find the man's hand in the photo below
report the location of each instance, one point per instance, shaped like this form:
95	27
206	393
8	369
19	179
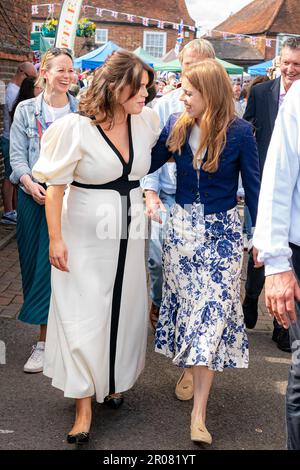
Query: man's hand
153	205
281	290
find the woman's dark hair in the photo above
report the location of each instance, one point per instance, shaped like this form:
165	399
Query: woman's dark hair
25	93
121	68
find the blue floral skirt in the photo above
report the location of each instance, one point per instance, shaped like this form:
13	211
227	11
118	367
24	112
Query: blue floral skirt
201	318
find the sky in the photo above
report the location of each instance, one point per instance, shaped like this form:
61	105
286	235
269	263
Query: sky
209	13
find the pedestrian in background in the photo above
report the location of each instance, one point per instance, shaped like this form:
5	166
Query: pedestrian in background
26	69
31	119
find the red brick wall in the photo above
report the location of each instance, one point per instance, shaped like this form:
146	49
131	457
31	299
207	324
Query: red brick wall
15	21
127	36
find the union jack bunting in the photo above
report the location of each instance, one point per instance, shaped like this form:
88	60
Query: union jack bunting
145	21
180	37
51	8
160	24
99	11
35	9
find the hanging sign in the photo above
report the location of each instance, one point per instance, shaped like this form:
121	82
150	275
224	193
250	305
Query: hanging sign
67	25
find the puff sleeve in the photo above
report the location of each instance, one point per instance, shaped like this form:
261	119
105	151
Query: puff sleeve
60	152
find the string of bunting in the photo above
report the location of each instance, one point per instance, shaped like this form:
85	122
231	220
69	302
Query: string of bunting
35	9
159	23
227	36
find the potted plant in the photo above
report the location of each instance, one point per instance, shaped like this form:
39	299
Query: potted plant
49	28
85	28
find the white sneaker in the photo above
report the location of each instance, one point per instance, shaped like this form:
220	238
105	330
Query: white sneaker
36	361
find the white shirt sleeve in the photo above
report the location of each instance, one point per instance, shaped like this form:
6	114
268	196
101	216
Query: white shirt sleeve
60	152
280	176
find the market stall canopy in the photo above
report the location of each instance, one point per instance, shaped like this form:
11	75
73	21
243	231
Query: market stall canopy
260	69
40	43
146	57
170	55
97	57
175	66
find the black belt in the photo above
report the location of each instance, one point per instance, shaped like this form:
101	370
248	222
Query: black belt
122	186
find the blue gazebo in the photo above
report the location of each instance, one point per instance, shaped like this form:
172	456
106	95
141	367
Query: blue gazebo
260	69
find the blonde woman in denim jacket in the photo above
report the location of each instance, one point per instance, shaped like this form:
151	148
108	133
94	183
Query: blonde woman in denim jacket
32	117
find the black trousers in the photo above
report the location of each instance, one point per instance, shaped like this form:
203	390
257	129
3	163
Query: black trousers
255	283
293	388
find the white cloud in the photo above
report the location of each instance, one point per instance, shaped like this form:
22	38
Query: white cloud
209	13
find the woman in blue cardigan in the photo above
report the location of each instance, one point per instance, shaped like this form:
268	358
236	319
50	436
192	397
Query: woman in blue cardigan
201	323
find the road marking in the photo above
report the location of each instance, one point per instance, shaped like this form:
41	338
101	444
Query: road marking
5	431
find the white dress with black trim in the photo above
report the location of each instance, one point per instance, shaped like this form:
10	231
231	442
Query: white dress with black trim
96	337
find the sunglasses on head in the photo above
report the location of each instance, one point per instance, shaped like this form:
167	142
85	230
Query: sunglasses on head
61	50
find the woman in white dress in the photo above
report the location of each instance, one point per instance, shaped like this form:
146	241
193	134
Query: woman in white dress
96	338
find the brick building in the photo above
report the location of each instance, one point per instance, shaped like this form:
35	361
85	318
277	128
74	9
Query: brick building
126	34
266	19
15	22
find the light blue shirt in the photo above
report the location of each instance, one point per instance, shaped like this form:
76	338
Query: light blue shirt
164	179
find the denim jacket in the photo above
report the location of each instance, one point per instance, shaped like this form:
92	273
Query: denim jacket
24	135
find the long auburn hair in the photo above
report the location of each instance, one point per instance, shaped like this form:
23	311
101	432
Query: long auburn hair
120	69
213	83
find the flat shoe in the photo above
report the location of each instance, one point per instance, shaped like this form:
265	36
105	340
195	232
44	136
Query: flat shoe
184	389
114	402
199	433
79	438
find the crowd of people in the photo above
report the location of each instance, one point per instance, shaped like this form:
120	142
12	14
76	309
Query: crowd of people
82	159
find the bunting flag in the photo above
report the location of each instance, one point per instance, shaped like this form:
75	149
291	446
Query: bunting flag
175	25
114	14
99	11
239	37
130	18
34	9
268	43
225	35
253	41
145	21
160	24
51	8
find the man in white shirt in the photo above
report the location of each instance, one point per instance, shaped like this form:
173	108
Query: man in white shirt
262	108
277	238
26	69
160	189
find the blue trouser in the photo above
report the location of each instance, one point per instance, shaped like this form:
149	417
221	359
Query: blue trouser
247	223
255	283
155	249
293	388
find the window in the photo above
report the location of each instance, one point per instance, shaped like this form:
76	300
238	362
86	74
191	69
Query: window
155	43
36	27
101	36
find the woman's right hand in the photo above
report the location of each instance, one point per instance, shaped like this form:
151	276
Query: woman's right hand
58	254
37	192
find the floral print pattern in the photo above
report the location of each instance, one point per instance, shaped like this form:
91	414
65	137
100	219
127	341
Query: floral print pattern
201	319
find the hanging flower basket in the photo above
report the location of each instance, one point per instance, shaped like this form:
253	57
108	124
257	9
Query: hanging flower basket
49	28
85	28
